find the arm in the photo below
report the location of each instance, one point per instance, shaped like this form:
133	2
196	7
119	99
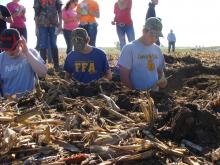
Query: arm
125	77
127	5
108	75
162	82
5	15
95	10
67	19
95	13
8	19
67	76
39	67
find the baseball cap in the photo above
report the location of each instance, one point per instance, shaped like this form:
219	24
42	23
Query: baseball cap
154	26
9	39
79	38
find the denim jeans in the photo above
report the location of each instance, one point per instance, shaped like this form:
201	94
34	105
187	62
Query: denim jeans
91	29
68	38
44	34
171	44
123	30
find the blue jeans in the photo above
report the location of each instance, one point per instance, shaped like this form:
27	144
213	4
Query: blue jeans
44	34
123	30
68	38
91	29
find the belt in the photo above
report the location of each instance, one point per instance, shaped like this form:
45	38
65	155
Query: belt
121	24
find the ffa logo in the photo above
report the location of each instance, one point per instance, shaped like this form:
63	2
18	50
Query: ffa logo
150	62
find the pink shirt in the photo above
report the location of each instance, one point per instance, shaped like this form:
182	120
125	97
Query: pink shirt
19	18
67	14
124	15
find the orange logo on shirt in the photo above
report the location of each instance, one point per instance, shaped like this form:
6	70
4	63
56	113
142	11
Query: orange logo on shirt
85	67
150	63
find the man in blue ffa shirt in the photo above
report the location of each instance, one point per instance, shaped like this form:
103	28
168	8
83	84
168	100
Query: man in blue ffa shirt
86	63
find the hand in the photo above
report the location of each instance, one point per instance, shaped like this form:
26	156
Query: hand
36	31
113	22
162	83
23	44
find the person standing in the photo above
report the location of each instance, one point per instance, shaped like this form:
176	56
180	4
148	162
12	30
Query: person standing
5	16
142	62
88	11
85	63
151	9
171	37
123	21
152	13
48	18
71	21
18	13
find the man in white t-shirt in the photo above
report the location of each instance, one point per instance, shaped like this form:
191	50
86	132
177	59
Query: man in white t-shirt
142	62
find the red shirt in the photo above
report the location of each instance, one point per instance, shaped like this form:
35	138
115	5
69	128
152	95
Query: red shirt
123	15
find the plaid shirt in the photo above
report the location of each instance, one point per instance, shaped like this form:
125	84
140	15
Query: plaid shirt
47	12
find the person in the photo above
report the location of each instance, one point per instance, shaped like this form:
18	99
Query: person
151	9
71	21
123	21
88	11
152	13
19	65
171	37
48	18
18	14
86	63
5	16
141	62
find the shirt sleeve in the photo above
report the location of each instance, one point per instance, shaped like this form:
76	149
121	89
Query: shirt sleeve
105	64
125	59
6	12
94	6
37	55
67	66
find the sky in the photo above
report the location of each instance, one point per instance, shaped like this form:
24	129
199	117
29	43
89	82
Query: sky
194	22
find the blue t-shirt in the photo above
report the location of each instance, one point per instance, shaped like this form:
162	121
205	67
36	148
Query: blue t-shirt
17	75
87	67
143	63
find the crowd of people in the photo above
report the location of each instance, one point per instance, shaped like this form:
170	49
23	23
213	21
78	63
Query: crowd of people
141	63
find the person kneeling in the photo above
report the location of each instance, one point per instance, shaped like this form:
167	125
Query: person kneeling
19	66
85	63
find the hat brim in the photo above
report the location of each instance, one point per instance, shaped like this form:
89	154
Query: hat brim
156	33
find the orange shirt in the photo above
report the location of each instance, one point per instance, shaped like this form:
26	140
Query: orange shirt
84	7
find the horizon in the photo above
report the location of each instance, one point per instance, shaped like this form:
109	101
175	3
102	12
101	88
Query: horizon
192	26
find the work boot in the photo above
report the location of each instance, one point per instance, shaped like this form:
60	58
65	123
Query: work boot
55	58
43	54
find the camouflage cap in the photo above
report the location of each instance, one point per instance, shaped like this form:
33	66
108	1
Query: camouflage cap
79	38
154	26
